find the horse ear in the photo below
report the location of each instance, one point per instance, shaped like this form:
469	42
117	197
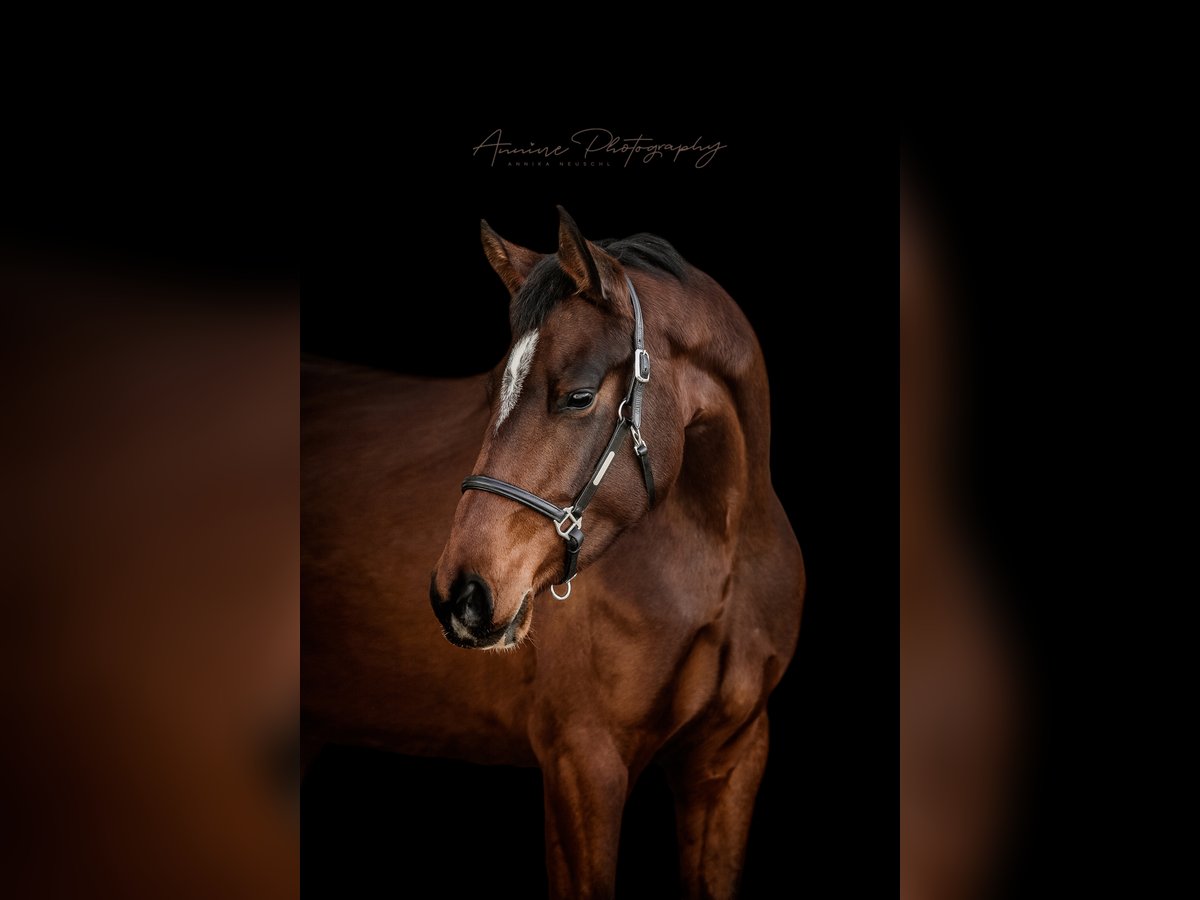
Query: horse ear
593	271
512	262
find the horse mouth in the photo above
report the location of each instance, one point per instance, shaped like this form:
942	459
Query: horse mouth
505	637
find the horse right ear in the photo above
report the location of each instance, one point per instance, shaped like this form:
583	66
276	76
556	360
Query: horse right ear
512	262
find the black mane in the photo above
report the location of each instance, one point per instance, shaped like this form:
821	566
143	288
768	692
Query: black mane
646	251
547	284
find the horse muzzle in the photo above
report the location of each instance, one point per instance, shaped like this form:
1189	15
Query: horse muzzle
467	615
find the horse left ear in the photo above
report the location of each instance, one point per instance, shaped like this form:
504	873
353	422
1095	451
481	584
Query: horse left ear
594	272
512	262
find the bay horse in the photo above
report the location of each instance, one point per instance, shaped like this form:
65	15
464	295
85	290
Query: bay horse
685	609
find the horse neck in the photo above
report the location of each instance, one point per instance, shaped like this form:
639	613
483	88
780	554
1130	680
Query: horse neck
725	472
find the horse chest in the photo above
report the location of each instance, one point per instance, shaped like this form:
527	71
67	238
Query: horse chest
644	668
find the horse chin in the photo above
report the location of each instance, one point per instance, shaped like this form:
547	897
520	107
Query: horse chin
503	639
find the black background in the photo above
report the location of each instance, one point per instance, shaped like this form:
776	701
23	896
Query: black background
803	238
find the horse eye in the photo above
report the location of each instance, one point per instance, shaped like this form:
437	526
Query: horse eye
579	400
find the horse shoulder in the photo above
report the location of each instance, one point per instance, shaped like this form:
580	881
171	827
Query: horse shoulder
737	658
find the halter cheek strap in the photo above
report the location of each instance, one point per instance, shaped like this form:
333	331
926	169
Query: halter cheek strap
568	522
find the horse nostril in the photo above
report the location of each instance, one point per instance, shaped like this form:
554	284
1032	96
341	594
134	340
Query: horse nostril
473	604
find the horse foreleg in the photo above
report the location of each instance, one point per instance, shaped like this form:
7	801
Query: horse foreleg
714	800
586	783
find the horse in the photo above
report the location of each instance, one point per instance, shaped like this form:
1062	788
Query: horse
634	379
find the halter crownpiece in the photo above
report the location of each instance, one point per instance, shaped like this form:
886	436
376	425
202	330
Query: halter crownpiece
568	522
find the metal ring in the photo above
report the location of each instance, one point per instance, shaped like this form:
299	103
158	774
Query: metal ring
621	407
567	594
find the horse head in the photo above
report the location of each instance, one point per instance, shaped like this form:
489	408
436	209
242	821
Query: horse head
572	405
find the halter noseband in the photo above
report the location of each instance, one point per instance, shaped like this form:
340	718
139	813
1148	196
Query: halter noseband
568	522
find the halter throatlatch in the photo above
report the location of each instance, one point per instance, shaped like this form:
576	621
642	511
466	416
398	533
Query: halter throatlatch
568	522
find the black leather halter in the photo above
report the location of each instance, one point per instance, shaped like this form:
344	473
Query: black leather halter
568	522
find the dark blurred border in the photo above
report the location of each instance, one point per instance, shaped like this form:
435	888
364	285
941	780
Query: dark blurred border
149	297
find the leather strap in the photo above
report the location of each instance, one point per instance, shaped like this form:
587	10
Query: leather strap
601	467
512	492
647	473
641	360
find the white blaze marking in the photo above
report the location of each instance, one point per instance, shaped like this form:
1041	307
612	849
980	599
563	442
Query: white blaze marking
514	374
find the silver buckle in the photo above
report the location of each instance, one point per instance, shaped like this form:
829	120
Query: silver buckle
639	446
568	516
568	593
638	356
